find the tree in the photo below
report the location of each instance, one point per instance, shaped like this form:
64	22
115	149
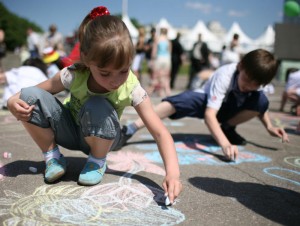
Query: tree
15	28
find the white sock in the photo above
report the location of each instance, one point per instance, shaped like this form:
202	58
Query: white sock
99	161
131	129
54	153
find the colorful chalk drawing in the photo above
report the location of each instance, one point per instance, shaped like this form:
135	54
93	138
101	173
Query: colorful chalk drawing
196	153
275	172
294	161
120	203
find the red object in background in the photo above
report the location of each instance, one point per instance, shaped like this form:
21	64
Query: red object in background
73	57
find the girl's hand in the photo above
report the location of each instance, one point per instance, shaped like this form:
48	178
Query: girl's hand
279	132
20	109
172	187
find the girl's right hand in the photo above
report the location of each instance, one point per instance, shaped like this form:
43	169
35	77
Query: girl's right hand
20	109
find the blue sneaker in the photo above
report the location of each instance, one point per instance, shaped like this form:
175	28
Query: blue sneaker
55	169
91	174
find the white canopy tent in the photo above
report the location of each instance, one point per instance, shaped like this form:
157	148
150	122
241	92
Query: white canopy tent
207	36
266	40
246	43
132	29
163	23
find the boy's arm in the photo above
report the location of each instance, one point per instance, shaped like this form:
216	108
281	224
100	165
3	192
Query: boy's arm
165	143
230	151
273	131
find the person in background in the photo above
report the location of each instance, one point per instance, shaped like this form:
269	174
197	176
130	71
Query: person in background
199	59
148	51
2	47
233	53
101	86
176	59
33	42
53	38
32	72
53	61
292	91
232	96
139	53
161	55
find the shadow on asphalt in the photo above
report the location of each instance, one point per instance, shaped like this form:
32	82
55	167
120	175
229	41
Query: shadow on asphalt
271	202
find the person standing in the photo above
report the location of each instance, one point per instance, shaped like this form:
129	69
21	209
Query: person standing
161	55
176	59
2	47
54	39
148	51
139	53
199	59
33	40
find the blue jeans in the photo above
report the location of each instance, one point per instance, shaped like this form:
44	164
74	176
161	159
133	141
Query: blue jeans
97	118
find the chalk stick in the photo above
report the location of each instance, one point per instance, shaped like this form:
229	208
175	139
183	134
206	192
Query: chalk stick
167	201
32	169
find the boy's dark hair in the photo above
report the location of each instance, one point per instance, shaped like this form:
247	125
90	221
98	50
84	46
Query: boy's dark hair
36	62
260	65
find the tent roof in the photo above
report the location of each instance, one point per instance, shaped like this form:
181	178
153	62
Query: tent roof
163	23
235	28
267	38
132	29
207	36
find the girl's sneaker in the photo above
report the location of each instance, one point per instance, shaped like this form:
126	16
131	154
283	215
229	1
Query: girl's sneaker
55	169
91	174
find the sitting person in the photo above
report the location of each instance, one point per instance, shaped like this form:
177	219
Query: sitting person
32	72
292	91
231	96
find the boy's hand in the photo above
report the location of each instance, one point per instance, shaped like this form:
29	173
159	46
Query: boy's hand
172	187
279	132
230	152
20	109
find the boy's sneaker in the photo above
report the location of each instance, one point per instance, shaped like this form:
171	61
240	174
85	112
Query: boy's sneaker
55	169
123	139
233	136
91	174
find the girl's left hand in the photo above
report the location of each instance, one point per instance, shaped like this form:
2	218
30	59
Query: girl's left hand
172	187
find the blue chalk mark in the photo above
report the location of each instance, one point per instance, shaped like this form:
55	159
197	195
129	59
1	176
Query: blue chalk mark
189	154
267	171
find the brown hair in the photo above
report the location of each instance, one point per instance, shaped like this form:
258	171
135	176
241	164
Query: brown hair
105	40
260	65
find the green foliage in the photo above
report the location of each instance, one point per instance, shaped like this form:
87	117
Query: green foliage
15	28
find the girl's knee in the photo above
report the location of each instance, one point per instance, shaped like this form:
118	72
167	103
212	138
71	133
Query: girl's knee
99	118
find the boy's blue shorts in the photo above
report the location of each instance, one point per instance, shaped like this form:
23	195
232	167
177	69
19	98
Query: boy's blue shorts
193	104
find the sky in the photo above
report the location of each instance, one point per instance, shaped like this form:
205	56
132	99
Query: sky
253	15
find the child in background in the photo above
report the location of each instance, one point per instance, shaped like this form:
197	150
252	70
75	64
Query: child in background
32	72
229	98
101	86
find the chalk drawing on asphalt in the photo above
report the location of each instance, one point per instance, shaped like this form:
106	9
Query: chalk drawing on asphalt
122	203
196	153
284	174
294	161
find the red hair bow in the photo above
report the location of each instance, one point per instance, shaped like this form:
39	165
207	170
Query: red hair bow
99	11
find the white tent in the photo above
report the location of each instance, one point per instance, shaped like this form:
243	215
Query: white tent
267	39
246	43
207	36
132	29
236	29
163	23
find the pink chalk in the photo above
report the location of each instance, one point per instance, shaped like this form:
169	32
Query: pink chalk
7	155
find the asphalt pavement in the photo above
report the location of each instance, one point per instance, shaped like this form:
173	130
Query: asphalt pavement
262	187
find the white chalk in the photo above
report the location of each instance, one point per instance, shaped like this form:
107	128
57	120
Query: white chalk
167	201
32	169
